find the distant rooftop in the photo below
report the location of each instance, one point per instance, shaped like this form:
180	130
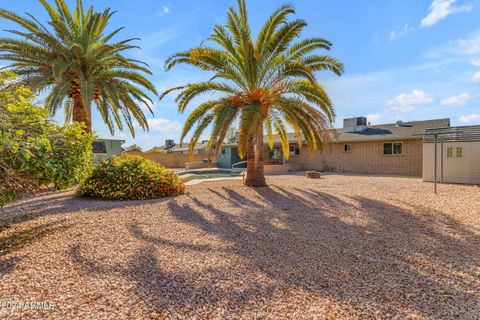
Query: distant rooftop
382	132
393	131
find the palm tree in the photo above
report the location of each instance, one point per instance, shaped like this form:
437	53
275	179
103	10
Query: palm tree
264	85
76	63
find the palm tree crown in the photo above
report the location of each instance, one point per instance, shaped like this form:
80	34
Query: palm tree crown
265	85
75	62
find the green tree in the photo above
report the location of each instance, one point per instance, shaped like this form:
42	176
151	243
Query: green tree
267	85
33	150
78	65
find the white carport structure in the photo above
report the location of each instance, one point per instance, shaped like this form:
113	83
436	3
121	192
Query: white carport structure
458	155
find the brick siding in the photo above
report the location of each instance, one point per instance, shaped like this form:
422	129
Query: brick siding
365	157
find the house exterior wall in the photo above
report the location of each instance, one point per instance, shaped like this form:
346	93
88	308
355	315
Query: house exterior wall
464	169
224	159
113	147
365	157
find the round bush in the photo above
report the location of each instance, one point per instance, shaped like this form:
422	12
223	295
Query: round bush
129	177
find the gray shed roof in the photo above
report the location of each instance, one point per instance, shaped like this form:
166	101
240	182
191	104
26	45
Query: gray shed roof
463	133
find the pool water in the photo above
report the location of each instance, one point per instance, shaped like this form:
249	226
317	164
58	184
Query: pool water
210	176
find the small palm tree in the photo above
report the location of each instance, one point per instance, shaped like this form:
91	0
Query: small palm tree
75	62
265	85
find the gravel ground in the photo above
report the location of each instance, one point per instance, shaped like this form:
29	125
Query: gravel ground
341	247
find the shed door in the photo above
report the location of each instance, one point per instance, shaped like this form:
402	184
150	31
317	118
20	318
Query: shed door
475	162
457	162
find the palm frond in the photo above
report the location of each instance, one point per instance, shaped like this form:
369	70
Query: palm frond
74	50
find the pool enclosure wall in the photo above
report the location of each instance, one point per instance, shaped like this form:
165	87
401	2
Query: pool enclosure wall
460	156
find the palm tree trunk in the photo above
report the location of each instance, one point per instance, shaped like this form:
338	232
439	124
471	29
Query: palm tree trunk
250	181
255	149
81	115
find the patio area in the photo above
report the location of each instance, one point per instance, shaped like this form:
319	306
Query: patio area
340	247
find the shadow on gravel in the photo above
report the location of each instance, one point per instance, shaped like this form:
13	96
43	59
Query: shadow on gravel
16	240
60	203
165	292
359	251
354	249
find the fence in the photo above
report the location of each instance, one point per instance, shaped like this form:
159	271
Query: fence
171	160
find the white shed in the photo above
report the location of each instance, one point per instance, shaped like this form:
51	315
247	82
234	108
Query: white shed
459	156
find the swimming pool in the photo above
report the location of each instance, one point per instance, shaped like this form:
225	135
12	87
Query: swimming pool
213	175
199	175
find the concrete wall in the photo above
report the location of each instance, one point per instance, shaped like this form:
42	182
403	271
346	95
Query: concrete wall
134	152
464	169
276	168
365	157
199	165
280	168
171	160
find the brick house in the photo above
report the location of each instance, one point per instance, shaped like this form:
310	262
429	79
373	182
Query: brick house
393	149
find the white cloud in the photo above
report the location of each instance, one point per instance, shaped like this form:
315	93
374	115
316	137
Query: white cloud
476	62
476	76
164	126
440	9
163	11
398	32
472	118
374	118
456	100
467	46
470	45
406	102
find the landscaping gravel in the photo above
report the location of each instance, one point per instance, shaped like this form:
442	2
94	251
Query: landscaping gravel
339	247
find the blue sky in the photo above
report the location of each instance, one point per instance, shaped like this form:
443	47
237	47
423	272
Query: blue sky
404	59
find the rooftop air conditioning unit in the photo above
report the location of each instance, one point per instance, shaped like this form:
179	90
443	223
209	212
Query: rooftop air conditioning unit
355	124
169	145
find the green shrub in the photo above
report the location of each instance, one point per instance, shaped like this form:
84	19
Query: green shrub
33	150
130	177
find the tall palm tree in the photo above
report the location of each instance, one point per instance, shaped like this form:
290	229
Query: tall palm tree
78	65
265	85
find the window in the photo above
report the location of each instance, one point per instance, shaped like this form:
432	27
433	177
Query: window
347	147
393	148
397	148
224	151
459	152
449	152
294	151
99	147
274	154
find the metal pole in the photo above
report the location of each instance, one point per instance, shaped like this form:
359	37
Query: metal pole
441	161
435	163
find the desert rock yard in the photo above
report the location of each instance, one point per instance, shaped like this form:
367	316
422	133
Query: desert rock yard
342	247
